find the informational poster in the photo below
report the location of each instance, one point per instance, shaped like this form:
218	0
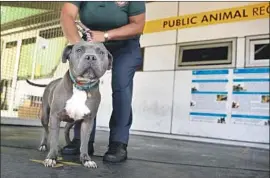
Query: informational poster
250	97
209	93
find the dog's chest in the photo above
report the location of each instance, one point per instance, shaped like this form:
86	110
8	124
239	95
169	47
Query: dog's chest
75	106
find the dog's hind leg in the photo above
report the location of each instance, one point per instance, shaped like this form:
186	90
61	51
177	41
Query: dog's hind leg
44	117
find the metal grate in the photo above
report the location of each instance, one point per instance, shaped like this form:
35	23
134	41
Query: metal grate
31	45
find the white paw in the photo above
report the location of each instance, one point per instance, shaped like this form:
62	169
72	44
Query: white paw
90	164
49	163
43	148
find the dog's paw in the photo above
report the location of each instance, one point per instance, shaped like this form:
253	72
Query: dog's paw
42	148
49	162
90	164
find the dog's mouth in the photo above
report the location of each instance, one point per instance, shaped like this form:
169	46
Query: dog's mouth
88	76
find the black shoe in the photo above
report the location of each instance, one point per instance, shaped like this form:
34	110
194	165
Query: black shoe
116	153
74	148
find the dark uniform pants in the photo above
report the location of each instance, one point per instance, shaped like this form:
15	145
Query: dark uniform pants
127	59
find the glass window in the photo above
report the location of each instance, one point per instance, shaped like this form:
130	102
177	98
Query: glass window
205	54
257	51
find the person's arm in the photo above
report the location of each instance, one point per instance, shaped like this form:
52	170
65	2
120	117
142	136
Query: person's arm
136	13
68	16
135	27
136	24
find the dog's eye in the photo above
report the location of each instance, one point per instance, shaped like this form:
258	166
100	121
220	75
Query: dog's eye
99	51
78	50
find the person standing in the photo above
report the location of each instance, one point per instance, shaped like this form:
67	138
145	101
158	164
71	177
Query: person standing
117	24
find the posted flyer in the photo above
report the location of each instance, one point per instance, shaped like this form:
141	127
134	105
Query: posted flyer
209	93
251	96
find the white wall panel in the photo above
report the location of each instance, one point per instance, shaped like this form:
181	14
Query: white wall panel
159	10
159	38
159	58
152	102
204	6
226	30
240	52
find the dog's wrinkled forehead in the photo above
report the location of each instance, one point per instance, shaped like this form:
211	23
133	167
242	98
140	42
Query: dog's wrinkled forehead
89	48
89	45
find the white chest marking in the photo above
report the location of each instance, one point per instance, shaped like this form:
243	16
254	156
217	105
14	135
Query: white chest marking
75	106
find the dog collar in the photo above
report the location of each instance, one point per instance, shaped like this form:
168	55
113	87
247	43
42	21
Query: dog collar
83	86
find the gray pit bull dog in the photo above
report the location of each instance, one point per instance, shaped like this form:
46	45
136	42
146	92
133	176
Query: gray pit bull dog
74	97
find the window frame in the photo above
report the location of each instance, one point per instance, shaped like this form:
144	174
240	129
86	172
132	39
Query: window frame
250	43
230	62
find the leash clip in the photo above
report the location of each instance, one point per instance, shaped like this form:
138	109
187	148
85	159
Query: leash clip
84	30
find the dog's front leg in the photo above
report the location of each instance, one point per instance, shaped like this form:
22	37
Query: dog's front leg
86	129
51	158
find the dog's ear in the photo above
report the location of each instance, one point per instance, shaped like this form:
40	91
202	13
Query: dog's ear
66	53
110	58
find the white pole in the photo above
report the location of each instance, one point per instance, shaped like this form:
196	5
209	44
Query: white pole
3	51
35	56
15	75
3	75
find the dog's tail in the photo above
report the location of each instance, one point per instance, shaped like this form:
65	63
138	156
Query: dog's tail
35	84
68	126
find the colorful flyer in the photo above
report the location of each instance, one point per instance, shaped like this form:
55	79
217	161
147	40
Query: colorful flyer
209	93
251	96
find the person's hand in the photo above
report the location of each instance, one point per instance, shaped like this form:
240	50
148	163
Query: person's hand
97	36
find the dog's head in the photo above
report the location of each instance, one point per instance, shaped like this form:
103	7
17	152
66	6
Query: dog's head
88	61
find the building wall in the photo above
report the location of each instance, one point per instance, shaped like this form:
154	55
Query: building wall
162	93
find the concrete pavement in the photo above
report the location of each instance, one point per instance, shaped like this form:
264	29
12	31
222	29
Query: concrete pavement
148	157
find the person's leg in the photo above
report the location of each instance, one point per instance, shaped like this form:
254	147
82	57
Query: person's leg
125	63
121	118
74	146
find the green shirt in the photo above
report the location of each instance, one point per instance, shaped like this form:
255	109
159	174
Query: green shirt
107	15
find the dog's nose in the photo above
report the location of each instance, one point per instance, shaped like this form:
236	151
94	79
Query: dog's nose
90	57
